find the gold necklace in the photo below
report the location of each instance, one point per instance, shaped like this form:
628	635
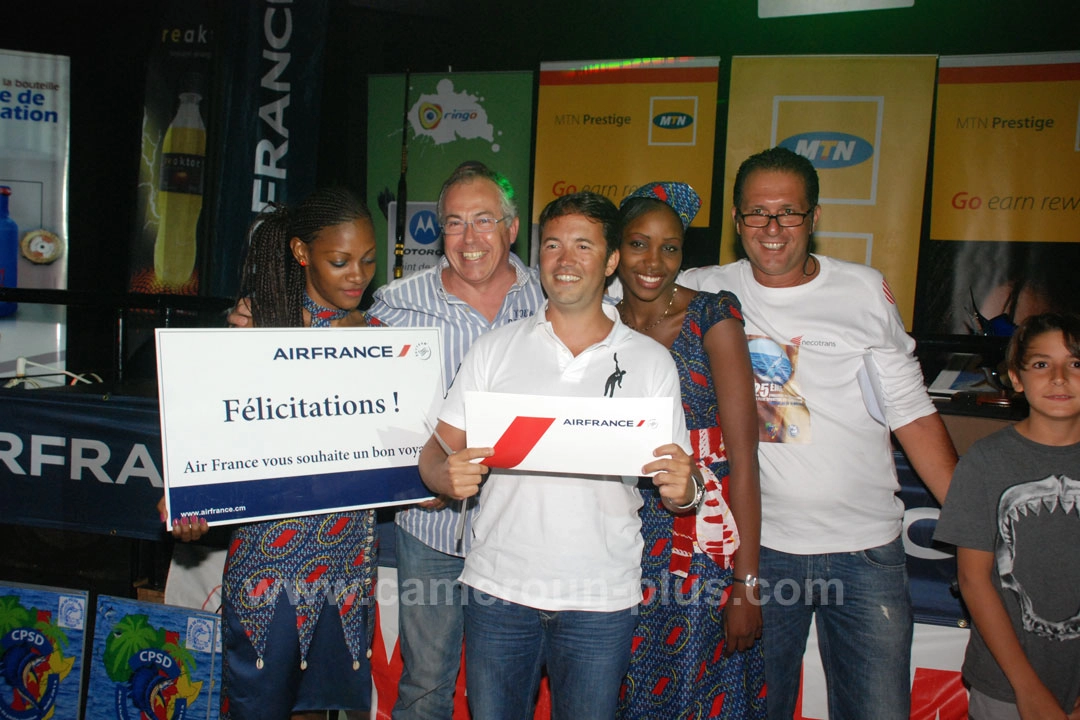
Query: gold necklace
654	323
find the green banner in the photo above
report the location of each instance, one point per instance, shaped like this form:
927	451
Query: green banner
450	118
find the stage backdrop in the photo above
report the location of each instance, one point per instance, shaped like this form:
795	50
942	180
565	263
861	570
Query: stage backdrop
865	124
34	117
448	118
1006	193
611	126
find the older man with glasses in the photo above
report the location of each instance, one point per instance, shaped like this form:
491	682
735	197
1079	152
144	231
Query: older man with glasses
479	285
834	373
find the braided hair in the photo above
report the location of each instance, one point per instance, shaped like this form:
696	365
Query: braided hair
272	279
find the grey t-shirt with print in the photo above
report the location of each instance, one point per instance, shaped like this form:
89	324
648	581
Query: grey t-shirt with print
1021	501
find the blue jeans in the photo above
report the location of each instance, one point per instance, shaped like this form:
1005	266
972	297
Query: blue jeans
506	645
430	629
864	626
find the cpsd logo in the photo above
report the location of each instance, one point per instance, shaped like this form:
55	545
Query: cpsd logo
827	150
430	115
424	227
673	120
32	665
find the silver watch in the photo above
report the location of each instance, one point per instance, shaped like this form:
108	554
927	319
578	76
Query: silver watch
749	581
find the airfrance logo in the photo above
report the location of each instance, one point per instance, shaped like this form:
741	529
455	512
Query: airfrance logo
600	422
828	150
524	432
342	352
424	227
673	120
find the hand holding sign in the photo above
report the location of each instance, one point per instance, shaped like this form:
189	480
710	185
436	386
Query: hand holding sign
449	472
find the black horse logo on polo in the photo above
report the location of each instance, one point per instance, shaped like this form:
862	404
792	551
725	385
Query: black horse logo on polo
614	378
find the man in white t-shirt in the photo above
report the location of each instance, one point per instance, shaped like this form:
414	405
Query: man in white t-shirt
553	574
834	373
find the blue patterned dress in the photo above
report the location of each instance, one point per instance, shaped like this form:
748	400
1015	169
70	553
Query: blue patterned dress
299	593
677	667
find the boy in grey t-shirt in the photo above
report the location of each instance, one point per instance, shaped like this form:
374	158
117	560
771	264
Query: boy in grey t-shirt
1013	511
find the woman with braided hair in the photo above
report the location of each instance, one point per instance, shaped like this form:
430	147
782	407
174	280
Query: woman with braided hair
298	593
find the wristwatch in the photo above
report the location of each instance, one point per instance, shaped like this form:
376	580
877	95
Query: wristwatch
749	581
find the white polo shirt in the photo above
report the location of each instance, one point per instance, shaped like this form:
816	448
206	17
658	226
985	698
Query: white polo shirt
560	542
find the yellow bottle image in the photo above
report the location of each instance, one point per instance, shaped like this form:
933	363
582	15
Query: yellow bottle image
179	198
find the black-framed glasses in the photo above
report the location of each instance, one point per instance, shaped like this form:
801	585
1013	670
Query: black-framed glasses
480	225
788	218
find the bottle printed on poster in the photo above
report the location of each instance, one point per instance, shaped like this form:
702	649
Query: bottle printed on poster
179	198
9	251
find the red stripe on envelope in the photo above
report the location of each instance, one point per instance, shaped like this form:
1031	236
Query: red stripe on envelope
518	441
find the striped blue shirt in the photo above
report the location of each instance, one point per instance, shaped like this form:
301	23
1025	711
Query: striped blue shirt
422	301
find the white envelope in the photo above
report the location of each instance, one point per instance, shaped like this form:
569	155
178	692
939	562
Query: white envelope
588	436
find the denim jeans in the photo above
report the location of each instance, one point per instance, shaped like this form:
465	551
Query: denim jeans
506	645
430	629
862	608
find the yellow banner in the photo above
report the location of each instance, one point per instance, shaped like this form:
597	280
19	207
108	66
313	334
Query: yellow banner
865	124
613	126
1007	149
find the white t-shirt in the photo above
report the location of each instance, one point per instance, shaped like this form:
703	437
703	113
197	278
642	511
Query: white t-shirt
560	542
828	356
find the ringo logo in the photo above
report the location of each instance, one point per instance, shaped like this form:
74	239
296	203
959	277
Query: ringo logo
828	150
424	227
430	115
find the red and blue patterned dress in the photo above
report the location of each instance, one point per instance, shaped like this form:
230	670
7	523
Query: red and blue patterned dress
298	615
298	610
677	667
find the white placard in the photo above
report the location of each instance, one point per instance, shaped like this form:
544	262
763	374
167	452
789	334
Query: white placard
589	436
269	423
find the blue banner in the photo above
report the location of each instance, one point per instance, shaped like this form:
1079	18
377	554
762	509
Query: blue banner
85	462
265	123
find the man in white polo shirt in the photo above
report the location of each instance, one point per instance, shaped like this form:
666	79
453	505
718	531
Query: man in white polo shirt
553	574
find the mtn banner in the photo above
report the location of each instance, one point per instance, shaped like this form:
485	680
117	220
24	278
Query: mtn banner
447	118
611	126
864	122
1006	193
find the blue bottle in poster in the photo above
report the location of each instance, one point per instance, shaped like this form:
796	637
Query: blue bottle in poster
9	251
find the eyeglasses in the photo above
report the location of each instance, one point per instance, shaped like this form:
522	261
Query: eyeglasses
784	219
481	225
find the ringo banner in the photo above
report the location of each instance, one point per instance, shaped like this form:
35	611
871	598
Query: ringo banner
270	423
864	123
448	118
610	126
589	436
